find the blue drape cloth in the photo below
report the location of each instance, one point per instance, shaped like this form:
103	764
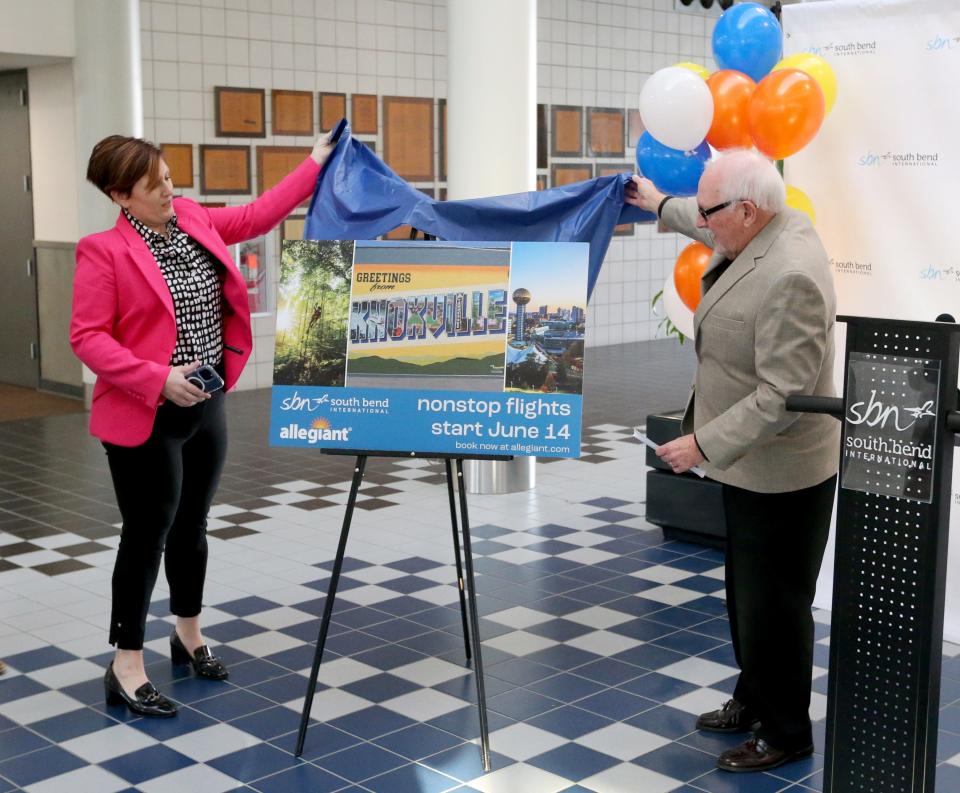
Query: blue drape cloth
359	197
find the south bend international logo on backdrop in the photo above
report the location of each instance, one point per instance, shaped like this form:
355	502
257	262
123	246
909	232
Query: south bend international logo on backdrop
455	348
890	425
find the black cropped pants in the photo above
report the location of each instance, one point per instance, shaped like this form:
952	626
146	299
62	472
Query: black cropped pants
164	490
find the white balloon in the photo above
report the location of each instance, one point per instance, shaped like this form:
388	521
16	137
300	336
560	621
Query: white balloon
676	107
676	310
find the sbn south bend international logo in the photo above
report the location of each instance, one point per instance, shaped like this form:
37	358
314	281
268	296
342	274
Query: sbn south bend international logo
943	43
873	412
319	429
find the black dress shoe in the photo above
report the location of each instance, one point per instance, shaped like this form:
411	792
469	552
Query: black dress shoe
732	717
756	754
146	701
204	662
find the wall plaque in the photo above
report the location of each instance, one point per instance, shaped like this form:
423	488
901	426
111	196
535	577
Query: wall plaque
333	107
563	173
292	112
225	169
605	132
363	114
408	137
567	131
179	159
239	112
275	162
609	169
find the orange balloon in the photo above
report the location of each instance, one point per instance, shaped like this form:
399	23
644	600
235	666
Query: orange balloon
688	271
786	112
731	98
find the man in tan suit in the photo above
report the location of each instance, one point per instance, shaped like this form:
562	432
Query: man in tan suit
763	331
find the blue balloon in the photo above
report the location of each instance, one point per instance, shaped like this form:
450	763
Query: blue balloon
748	38
671	170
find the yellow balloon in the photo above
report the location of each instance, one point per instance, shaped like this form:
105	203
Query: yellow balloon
818	69
696	68
797	199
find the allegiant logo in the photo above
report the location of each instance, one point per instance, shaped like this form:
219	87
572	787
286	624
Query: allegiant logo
319	430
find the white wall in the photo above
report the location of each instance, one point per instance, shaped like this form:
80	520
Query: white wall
37	27
590	53
53	156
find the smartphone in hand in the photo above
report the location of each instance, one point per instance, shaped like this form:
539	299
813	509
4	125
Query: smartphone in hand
206	379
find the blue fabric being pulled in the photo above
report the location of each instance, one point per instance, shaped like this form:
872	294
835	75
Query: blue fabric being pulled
358	197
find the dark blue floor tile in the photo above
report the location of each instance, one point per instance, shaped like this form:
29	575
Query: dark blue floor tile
521	704
570	722
148	763
371	723
709	605
666	721
718	628
605	502
688	642
465	687
359	616
348	565
661	688
637	606
418	741
649	656
283	689
723	654
320	740
657	555
519	671
188	690
487	530
610	671
627	584
21	686
950	719
678	617
439	617
361	762
377	688
19	741
678	761
948	777
616	704
550	530
572	761
71	725
232	705
951	668
551	564
465	722
559	629
611	515
589	574
595	594
254	671
243	607
33	660
350	643
555	547
566	687
724	782
389	657
411	778
557	605
295	658
434	643
269	723
187	720
414	564
408	584
254	762
643	629
948	745
463	762
303	777
36	766
563	657
713	743
232	630
800	770
695	564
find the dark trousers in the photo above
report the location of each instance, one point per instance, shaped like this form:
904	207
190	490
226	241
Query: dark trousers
164	489
775	544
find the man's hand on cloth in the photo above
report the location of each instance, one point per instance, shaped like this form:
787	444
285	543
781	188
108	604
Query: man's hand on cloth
641	193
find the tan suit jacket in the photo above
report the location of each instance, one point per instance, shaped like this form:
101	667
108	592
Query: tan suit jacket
764	331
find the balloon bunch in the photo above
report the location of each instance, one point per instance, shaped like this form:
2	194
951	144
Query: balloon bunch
754	100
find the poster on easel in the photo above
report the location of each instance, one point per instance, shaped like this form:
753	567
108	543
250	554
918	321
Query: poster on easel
458	348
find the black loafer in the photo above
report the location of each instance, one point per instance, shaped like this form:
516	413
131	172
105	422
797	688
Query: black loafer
756	754
204	663
146	701
732	717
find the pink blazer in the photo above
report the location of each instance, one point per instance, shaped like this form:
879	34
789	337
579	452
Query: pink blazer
123	325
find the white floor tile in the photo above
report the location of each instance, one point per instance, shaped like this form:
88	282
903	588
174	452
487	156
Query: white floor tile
331	704
520	643
519	617
430	671
96	747
599	617
343	671
38	707
193	777
523	741
603	642
63	675
623	741
629	778
662	574
210	742
91	777
700	701
520	778
424	705
699	671
670	595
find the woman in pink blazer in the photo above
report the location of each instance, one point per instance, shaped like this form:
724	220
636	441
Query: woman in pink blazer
156	297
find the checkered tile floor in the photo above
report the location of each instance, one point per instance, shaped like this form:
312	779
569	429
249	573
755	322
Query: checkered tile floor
601	640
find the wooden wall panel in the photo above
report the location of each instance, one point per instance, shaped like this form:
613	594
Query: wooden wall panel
333	107
363	114
408	137
563	173
567	123
225	169
239	112
292	112
605	132
179	158
275	162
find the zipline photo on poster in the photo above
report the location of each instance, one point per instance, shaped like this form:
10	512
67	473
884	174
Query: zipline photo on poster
430	347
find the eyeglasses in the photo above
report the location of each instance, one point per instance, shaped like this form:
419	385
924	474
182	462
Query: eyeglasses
706	213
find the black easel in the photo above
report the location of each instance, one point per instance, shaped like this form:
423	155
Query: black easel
891	553
467	590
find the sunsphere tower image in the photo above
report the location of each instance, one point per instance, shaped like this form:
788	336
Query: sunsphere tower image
521	297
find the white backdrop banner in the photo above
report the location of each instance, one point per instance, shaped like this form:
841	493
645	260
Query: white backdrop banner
883	174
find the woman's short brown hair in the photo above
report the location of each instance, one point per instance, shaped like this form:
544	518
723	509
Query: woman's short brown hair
117	163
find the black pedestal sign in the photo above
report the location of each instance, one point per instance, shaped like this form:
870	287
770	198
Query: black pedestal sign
893	511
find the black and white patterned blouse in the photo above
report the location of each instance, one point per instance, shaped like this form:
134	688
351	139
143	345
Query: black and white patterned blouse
195	286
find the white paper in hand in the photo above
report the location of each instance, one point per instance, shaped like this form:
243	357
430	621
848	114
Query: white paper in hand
641	436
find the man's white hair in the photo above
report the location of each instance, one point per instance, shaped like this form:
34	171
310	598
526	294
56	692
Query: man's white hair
744	174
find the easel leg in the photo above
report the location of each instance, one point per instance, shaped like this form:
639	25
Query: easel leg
474	621
456	556
328	605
